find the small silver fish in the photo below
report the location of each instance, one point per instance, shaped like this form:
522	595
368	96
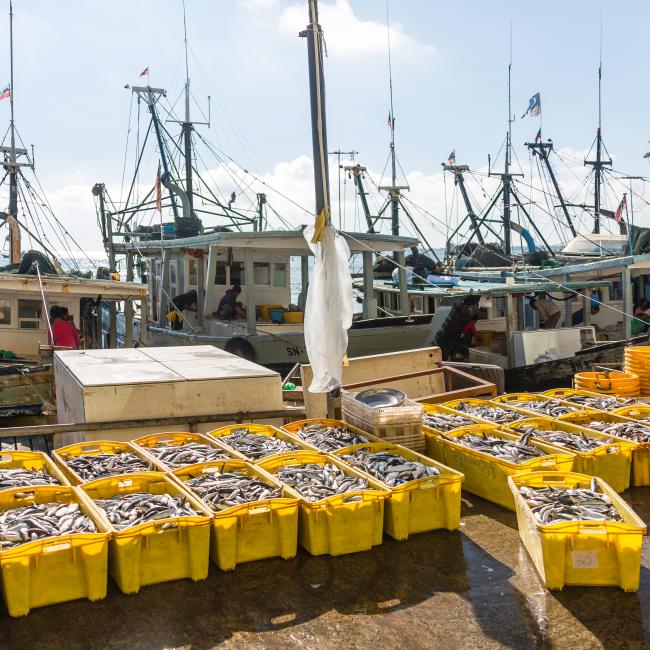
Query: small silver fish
19	477
392	469
256	446
329	438
315	482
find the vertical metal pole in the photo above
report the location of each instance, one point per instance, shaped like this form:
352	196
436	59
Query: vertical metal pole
586	306
144	319
304	271
249	279
128	323
511	326
369	301
14	233
163	295
404	300
568	307
99	329
200	290
626	284
209	306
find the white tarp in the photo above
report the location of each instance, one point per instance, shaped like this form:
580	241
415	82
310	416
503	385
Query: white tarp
328	312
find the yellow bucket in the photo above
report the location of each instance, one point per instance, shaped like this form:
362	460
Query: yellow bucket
294	316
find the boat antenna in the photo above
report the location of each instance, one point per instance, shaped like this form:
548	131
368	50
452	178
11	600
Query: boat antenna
506	174
599	162
187	124
13	167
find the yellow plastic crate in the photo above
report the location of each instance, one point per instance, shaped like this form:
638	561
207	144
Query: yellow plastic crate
485	475
634	412
176	438
611	462
516	400
54	569
99	447
251	531
258	429
640	453
294	427
564	395
31	460
424	504
340	524
483	402
154	552
443	410
586	553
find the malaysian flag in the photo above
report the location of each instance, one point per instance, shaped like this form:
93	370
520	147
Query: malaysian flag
618	215
452	157
534	106
5	93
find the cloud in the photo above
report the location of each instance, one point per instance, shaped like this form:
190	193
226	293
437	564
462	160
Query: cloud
348	35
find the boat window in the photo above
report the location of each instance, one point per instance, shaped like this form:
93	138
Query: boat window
220	273
262	273
192	273
616	291
29	314
279	274
237	273
172	273
499	303
5	312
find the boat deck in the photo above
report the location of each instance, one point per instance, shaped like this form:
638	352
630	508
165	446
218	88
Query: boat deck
469	589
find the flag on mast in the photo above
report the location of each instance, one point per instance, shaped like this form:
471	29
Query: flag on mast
158	192
5	93
538	137
451	160
145	72
618	215
390	120
534	106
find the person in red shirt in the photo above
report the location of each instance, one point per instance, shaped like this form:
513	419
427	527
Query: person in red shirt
64	333
468	335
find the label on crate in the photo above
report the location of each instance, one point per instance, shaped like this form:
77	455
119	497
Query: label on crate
584	559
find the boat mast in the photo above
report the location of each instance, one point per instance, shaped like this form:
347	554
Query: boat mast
14	233
506	172
314	36
187	124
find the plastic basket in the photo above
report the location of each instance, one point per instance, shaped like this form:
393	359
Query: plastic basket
258	429
155	551
424	504
340	524
640	475
173	438
31	460
483	402
611	462
61	455
485	475
587	553
635	412
397	424
251	531
54	569
294	428
518	402
443	410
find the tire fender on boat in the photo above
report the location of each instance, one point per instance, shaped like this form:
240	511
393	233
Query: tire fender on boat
240	347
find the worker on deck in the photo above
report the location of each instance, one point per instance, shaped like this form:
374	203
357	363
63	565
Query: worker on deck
549	312
184	301
64	333
228	308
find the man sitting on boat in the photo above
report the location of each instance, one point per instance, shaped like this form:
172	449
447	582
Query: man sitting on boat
549	312
229	308
64	332
178	305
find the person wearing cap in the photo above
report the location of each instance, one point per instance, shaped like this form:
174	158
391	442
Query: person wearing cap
549	312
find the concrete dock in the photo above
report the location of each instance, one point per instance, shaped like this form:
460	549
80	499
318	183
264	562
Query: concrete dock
475	588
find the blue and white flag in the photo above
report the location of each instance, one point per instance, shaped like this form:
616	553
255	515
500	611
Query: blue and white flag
534	106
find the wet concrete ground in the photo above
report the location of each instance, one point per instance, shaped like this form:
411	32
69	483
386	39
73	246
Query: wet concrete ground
475	588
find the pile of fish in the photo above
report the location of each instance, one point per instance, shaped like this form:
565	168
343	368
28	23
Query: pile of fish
633	431
553	505
19	477
176	456
127	510
40	520
256	445
513	451
329	438
605	403
392	469
315	482
446	422
574	441
490	413
91	467
227	489
552	408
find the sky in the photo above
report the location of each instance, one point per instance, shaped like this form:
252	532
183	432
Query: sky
449	63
